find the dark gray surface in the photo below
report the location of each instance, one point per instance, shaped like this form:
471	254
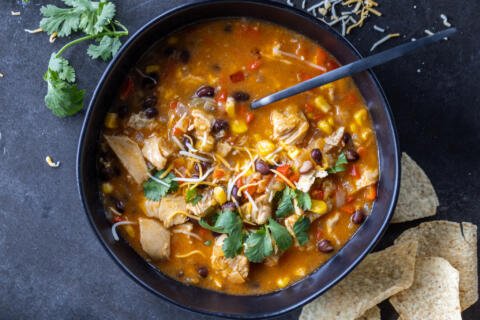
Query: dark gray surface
53	267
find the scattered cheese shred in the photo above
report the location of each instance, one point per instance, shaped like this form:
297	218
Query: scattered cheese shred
445	21
384	39
287	181
195	180
15	13
377	28
188	233
191	155
430	33
1	75
38	30
51	163
158	180
53	37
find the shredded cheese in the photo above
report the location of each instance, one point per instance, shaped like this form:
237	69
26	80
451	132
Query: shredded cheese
15	13
158	180
177	142
53	37
38	30
276	52
252	202
287	181
445	21
114	211
167	171
194	156
384	39
223	161
115	225
188	233
51	163
188	254
195	180
246	186
377	28
1	75
430	33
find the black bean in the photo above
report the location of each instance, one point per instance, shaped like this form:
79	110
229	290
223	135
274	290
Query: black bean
150	80
205	91
219	125
351	155
119	205
262	167
347	137
184	56
107	173
358	217
202	272
316	155
216	67
324	246
229	206
149	102
122	111
235	194
190	141
151	113
228	28
240	96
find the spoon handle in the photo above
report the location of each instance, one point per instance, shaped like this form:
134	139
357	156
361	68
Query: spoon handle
352	68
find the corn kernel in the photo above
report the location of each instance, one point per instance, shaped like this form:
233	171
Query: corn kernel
130	231
293	152
239	126
360	116
366	134
353	128
230	107
331	121
283	282
107	188
152	68
329	89
325	126
322	104
300	272
257	137
219	195
265	147
111	120
319	207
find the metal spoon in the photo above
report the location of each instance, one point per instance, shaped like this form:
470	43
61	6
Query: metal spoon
352	68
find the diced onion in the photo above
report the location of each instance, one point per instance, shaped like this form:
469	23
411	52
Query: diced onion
188	254
115	225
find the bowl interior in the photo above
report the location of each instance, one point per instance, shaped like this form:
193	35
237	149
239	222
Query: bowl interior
203	300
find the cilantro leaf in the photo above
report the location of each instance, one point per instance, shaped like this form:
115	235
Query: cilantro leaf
63	98
155	190
228	222
106	48
280	234
258	245
82	15
192	196
285	205
339	164
300	229
304	200
62	67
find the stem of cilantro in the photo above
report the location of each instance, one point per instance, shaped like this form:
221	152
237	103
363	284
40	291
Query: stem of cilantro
89	37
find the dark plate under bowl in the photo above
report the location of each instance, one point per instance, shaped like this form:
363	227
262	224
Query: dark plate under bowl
207	301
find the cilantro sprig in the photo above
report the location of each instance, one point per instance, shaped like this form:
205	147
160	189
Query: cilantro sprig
96	21
192	196
300	229
339	164
285	205
157	188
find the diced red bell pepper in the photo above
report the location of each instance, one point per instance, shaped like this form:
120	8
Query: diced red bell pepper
237	76
249	117
320	57
317	194
127	88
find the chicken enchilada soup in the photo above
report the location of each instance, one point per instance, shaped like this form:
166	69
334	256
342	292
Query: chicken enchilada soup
220	196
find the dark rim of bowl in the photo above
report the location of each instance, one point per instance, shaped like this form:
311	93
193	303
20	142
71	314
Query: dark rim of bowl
386	107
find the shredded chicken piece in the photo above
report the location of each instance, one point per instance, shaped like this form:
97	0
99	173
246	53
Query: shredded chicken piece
234	269
289	126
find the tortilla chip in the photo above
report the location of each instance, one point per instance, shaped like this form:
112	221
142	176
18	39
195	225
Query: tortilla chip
371	314
433	294
444	239
417	198
381	275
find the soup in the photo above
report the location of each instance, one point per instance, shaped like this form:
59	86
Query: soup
217	195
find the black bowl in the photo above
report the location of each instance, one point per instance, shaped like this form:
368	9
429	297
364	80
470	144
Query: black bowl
211	302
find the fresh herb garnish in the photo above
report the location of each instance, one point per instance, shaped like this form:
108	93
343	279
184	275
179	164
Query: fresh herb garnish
192	196
155	190
95	20
300	229
285	204
280	234
339	164
207	243
258	245
228	222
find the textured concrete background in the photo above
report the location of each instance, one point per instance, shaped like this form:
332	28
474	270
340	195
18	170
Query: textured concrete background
51	264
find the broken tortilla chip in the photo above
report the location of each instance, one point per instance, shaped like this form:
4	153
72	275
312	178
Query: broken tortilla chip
381	275
417	198
456	243
433	294
371	314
